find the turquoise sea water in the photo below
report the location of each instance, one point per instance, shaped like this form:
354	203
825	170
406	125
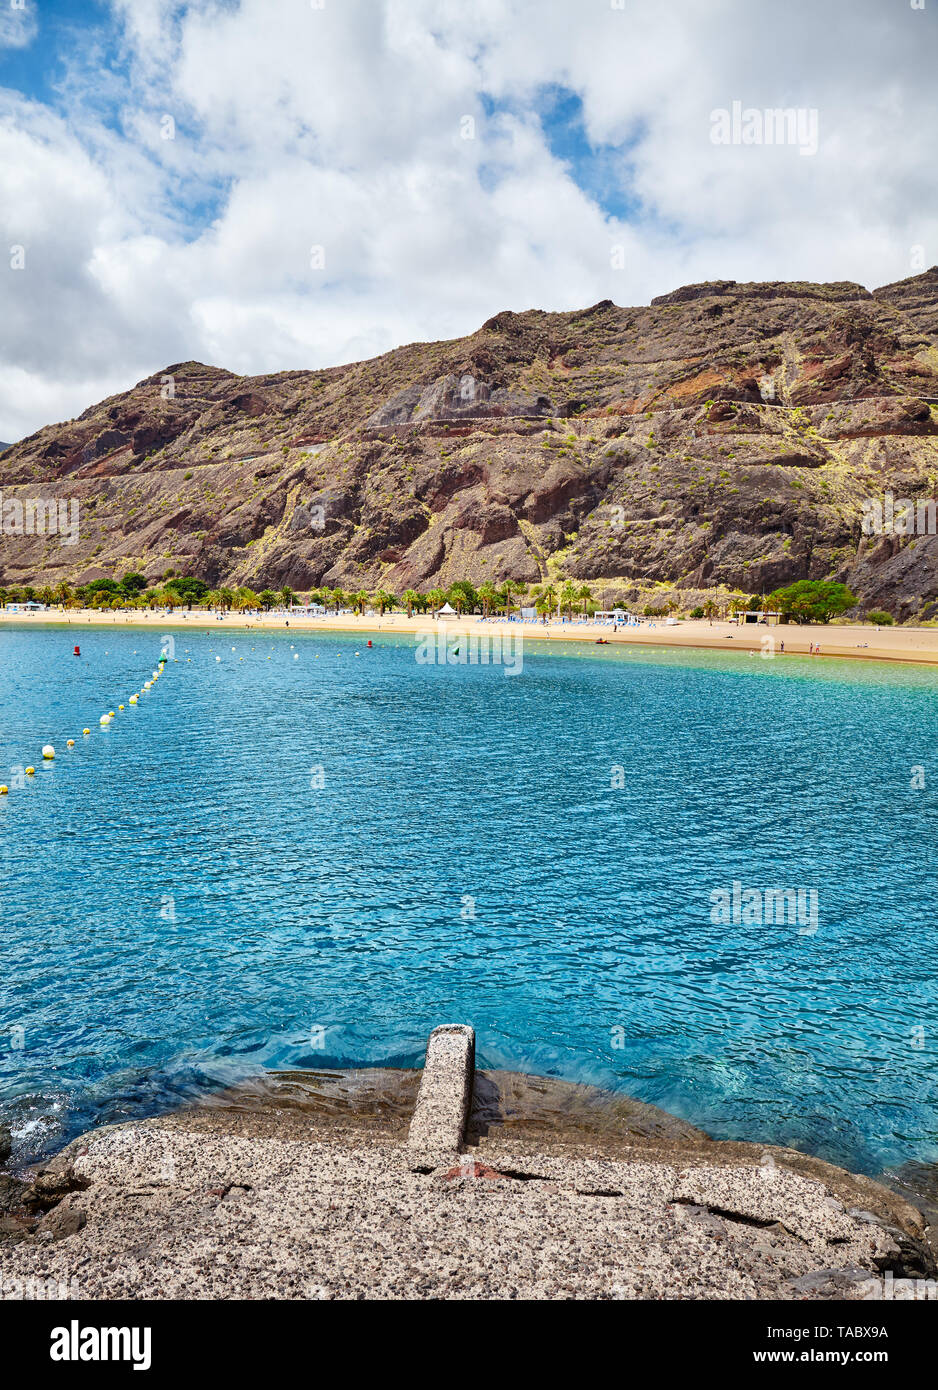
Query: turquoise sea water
184	904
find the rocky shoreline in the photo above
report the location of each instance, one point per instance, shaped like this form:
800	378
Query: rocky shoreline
313	1185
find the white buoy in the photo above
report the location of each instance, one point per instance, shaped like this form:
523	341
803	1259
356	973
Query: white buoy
48	751
218	658
105	719
296	656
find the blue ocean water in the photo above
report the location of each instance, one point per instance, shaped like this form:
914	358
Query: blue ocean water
308	853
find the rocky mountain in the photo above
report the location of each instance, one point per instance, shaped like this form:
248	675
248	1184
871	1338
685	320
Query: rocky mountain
724	435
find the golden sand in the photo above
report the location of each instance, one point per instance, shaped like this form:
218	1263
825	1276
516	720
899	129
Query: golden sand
865	642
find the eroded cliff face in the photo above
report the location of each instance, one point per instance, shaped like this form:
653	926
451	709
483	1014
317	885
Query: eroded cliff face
724	434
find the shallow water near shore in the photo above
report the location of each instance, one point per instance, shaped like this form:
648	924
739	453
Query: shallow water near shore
312	860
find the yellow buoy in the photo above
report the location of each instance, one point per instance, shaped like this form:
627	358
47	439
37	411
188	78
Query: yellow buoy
86	731
69	743
4	789
48	751
30	772
110	714
120	706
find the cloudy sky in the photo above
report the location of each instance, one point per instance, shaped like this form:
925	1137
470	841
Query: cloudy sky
270	184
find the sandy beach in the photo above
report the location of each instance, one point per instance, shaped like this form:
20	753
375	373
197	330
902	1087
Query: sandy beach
867	642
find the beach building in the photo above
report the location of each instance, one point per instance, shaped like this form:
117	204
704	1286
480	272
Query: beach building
766	616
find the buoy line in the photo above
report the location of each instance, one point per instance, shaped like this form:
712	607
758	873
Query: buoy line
48	749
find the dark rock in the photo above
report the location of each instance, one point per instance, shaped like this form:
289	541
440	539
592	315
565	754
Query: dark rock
62	1221
50	1186
12	1193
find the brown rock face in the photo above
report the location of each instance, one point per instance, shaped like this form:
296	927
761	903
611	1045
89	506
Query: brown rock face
725	434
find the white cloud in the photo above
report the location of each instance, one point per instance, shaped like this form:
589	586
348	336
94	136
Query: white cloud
341	127
17	24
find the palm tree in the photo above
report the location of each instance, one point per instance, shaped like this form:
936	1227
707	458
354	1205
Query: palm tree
456	598
488	594
246	598
436	598
549	597
462	595
383	599
568	596
287	596
585	593
409	598
218	598
509	587
338	598
360	599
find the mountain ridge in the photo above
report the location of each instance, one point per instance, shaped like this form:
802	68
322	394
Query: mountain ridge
723	435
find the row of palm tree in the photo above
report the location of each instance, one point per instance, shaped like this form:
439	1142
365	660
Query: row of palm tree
465	597
119	596
132	593
551	599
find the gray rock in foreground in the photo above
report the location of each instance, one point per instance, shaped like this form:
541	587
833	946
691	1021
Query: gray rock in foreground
303	1187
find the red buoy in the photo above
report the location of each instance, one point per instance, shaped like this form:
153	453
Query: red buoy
78	651
369	641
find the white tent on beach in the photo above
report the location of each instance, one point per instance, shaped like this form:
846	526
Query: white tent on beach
447	611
